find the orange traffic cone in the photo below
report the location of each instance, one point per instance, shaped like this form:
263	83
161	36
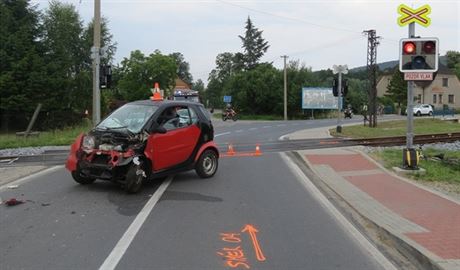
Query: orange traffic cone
230	150
156	93
258	152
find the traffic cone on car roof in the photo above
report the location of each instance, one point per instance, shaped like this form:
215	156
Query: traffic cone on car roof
258	152
230	150
156	93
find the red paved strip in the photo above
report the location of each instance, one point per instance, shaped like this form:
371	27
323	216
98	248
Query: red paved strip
436	214
340	163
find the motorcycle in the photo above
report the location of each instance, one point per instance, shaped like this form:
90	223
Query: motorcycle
229	115
348	113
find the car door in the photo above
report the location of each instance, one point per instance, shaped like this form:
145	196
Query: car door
177	144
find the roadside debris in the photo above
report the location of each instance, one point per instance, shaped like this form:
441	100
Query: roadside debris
8	160
13	186
46	204
13	202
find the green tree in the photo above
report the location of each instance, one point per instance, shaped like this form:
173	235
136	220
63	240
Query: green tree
254	45
22	73
183	67
65	55
397	88
257	91
453	61
227	64
139	73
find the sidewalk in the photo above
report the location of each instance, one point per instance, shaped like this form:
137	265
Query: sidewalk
429	222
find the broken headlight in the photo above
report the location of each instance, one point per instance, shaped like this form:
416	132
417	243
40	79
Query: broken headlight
88	142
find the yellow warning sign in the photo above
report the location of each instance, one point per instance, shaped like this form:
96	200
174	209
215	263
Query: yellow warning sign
409	15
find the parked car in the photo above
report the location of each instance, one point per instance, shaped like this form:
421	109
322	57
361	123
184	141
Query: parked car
422	109
143	140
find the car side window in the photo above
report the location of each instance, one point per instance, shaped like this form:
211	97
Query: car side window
175	117
193	116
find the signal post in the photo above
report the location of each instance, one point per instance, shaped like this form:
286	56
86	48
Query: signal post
418	60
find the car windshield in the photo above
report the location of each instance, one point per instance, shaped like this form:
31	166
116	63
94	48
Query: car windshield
131	116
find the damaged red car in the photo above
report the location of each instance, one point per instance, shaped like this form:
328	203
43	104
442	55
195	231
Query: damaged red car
145	140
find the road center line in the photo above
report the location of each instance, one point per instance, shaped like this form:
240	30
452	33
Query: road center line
225	133
119	250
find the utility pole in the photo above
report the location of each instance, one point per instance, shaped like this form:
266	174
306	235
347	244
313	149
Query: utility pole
96	63
372	42
285	87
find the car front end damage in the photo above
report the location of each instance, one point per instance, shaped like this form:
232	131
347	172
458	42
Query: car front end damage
108	155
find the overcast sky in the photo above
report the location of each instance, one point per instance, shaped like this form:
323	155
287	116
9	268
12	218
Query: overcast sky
318	33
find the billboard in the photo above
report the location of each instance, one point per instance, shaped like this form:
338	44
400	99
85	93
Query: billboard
318	98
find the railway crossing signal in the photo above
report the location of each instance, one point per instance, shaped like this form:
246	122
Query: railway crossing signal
418	55
409	15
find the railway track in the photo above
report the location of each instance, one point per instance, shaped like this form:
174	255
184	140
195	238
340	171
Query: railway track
58	157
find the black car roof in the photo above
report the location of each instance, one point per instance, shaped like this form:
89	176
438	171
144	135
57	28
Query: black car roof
164	103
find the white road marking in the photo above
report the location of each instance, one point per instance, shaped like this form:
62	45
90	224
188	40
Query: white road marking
284	137
365	244
282	125
225	133
267	126
239	130
26	179
119	250
253	128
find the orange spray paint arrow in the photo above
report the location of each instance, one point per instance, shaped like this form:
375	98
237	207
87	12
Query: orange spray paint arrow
252	232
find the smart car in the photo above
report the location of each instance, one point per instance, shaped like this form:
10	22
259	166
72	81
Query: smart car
145	140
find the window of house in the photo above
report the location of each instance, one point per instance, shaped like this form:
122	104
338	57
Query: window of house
440	98
419	98
434	99
451	99
445	82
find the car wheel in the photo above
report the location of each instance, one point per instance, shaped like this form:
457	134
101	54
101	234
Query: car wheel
207	164
419	113
430	113
134	179
81	179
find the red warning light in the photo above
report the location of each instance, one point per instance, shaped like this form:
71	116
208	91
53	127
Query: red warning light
409	48
429	47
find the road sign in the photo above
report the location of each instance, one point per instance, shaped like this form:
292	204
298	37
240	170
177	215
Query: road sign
227	99
418	76
409	15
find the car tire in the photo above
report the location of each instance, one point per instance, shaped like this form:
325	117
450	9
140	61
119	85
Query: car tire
207	164
79	178
430	113
134	180
419	113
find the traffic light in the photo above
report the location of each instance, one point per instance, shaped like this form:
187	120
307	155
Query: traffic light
105	76
344	87
335	85
418	55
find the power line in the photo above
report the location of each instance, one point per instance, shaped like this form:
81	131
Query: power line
289	18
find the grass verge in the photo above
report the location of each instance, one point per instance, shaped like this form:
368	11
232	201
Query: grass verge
56	137
398	128
445	170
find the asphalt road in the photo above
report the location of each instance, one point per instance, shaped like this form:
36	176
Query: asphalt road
255	213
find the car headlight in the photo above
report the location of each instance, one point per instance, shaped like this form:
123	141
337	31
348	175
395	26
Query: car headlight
88	142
